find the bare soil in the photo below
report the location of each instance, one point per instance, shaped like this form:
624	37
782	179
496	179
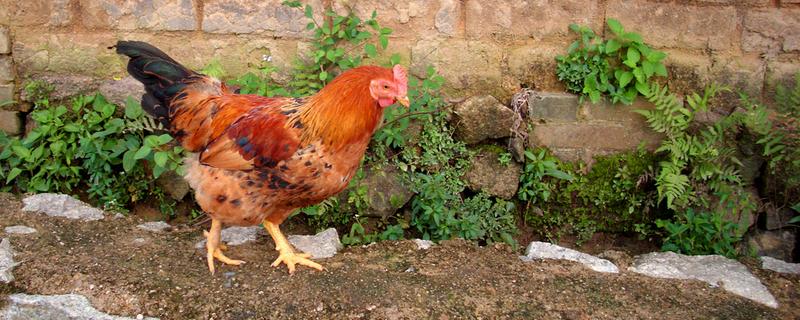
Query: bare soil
127	271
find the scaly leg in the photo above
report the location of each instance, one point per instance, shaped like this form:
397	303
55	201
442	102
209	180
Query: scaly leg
287	254
214	248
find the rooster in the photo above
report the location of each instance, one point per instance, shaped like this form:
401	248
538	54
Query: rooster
256	159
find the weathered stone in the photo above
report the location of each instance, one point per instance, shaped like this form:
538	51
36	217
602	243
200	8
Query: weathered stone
713	269
487	174
155	226
447	18
777	218
744	216
10	122
5	41
405	18
234	236
243	16
322	245
553	107
175	185
51	13
168	15
688	72
529	19
117	91
593	136
544	250
61	205
669	24
69	52
386	190
780	74
423	244
68	306
534	66
19	230
744	73
6	92
469	67
620	113
482	117
778	244
6	69
781	266
771	30
7	262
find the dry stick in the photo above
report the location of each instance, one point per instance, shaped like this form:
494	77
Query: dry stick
409	114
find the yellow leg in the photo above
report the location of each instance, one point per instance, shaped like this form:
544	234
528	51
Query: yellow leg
214	248
287	254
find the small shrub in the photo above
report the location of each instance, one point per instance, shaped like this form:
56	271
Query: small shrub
620	67
701	233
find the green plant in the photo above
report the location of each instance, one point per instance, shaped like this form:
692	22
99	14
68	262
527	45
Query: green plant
504	158
701	233
620	67
535	187
85	146
333	43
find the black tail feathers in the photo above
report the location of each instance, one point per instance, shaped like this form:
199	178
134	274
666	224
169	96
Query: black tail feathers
162	76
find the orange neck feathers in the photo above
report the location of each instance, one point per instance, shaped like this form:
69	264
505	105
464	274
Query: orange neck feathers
344	111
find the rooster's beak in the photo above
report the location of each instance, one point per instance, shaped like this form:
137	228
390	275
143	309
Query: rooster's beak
404	101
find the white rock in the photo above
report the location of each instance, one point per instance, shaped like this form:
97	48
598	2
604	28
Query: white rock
544	250
68	306
781	266
154	226
19	230
234	236
423	244
61	205
322	245
715	270
7	263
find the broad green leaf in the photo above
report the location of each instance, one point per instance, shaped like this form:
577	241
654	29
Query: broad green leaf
625	78
161	158
642	88
615	26
21	151
656	56
633	55
661	70
142	153
649	68
370	50
309	12
128	160
323	76
612	46
633	37
13	174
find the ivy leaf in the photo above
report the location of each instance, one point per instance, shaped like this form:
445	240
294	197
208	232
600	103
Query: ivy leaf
161	158
612	46
615	26
371	50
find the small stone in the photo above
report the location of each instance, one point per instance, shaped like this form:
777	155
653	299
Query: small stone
20	230
234	236
117	91
6	69
6	92
7	263
66	306
483	117
446	19
5	41
553	106
544	250
61	205
715	270
385	189
10	122
322	245
423	244
487	174
778	244
781	266
155	226
176	186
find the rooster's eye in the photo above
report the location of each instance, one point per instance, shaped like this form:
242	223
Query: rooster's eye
386	87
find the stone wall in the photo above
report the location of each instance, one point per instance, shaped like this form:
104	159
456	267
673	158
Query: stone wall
481	47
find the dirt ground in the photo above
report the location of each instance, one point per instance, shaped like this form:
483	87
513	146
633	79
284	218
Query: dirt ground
127	271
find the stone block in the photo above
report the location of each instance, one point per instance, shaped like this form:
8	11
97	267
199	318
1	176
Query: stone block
674	25
6	92
407	19
10	122
469	67
553	106
53	13
5	40
534	65
487	174
248	16
537	19
6	69
482	117
619	113
596	136
771	30
167	15
780	74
